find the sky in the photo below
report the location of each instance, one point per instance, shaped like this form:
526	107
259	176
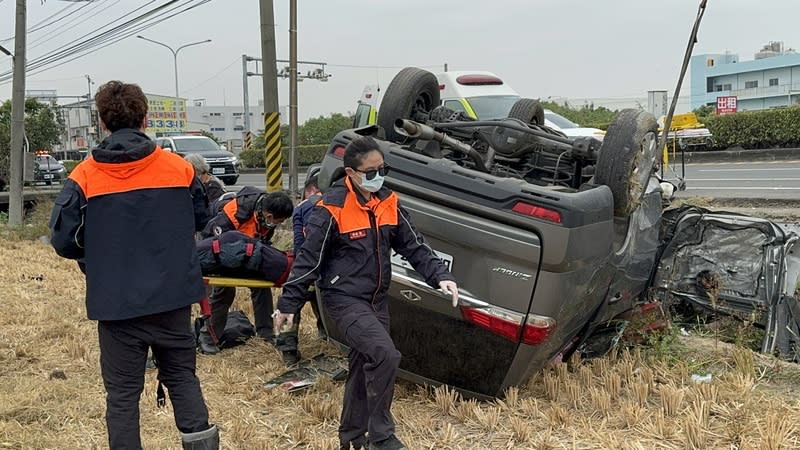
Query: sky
611	51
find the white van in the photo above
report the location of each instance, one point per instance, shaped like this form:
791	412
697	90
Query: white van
481	95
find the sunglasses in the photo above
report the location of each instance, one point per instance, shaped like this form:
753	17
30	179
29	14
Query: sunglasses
370	174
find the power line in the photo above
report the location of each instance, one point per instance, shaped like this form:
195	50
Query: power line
91	48
75	21
39	26
67	52
67	48
71	5
358	66
213	76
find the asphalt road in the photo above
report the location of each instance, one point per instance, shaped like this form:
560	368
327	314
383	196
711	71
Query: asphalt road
770	180
260	180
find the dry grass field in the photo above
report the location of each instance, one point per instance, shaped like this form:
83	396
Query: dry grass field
51	393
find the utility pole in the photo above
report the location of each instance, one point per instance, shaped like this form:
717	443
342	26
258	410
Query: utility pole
272	123
15	200
89	107
293	97
246	93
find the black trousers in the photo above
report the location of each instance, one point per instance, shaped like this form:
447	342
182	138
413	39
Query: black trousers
123	351
373	363
221	299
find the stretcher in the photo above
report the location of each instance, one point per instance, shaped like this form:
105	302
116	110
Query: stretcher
215	281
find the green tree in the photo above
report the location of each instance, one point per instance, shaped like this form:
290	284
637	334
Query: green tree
704	111
44	127
322	130
587	115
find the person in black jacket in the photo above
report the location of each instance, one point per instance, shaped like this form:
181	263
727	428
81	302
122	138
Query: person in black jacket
213	186
128	214
256	214
349	239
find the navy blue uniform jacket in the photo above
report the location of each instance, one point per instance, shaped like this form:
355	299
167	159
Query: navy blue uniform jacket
348	249
128	215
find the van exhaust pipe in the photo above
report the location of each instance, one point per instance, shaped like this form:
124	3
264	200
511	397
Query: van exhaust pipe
417	130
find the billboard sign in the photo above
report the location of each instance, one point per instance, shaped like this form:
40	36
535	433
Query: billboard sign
166	115
726	105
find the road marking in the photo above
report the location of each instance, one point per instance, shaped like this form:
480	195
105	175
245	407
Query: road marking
747	170
741	188
742	179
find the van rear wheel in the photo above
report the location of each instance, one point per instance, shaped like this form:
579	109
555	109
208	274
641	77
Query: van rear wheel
627	158
412	95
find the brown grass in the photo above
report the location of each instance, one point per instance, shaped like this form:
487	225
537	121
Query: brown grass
52	392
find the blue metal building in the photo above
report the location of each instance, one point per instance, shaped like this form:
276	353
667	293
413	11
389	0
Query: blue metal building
773	81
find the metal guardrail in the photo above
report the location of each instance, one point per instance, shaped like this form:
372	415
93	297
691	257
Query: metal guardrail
29	195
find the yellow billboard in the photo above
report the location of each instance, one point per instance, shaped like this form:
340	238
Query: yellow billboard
166	115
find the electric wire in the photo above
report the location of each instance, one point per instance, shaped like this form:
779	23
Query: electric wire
75	46
29	30
38	27
74	22
69	53
213	76
89	49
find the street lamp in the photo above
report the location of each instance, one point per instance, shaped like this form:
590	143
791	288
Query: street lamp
175	55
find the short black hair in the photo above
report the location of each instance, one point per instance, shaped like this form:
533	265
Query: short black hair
357	149
279	204
311	185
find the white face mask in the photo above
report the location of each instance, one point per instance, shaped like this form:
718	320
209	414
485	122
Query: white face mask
373	185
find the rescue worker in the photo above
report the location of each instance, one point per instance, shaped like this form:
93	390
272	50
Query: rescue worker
349	239
128	214
256	214
311	195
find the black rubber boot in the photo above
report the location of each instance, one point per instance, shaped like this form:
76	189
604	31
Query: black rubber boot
359	443
205	343
390	443
202	440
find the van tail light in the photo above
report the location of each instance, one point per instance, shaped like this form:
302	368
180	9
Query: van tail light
537	329
479	80
540	212
508	324
441	87
338	151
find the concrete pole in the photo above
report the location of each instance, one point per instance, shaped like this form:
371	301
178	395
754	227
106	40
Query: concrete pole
293	188
272	133
268	68
246	93
89	107
15	200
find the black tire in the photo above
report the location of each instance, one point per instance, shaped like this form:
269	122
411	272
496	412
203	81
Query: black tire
230	181
412	95
528	110
627	158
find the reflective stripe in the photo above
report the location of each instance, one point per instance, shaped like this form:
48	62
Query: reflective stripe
319	259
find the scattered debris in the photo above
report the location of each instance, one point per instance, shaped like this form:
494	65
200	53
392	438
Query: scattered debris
308	371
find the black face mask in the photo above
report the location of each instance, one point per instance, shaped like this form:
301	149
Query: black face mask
262	221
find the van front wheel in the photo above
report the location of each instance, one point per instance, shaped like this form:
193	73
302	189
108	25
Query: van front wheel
412	95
